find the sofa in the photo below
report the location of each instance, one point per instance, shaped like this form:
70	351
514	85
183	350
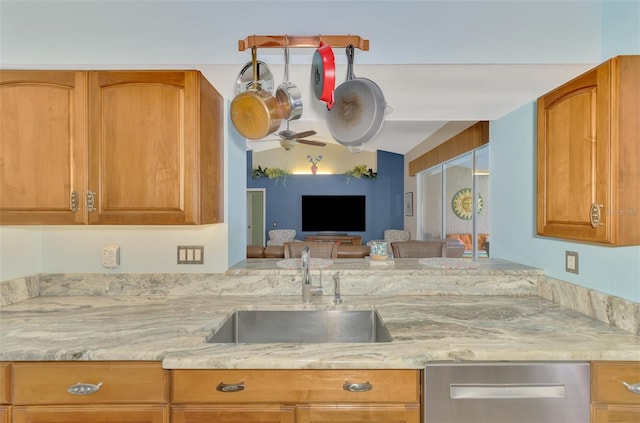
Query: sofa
277	251
454	248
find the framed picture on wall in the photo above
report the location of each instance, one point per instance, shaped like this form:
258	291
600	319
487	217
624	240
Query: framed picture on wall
408	204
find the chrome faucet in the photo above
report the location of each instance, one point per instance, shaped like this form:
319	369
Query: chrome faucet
336	292
308	290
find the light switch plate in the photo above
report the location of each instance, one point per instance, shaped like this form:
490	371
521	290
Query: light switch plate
571	262
190	254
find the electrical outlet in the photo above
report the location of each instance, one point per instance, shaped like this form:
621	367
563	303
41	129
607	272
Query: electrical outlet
571	262
110	257
190	254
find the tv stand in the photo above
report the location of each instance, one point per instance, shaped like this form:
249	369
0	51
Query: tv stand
342	239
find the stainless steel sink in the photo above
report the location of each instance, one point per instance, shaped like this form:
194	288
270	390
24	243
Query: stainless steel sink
301	326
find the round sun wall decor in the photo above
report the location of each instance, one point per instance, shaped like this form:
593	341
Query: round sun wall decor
462	205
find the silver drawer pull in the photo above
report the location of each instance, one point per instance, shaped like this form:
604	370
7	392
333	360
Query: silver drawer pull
635	388
504	391
357	387
84	388
230	387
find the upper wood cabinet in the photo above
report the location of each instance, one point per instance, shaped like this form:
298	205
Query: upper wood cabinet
133	147
588	184
43	146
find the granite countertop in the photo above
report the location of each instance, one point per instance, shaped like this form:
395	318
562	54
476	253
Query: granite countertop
153	325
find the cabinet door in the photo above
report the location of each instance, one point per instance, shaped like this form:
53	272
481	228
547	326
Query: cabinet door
249	413
43	146
615	414
145	131
91	414
573	157
4	414
351	413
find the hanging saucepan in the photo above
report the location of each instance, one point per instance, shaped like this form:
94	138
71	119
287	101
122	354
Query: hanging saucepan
255	113
358	110
288	94
245	79
323	74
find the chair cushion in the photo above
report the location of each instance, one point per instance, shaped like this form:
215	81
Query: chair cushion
280	236
393	235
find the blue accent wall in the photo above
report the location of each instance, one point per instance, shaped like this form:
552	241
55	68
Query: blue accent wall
384	196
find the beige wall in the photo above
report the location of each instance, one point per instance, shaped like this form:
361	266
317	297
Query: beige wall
336	159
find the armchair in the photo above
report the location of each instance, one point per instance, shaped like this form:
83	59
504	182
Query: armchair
280	236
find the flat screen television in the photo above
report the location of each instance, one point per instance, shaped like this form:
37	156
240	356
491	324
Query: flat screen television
334	213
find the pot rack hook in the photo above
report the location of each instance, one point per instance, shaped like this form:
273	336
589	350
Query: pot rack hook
254	62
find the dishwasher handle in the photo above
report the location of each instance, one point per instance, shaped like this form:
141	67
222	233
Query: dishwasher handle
506	391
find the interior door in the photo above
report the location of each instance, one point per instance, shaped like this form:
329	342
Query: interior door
256	200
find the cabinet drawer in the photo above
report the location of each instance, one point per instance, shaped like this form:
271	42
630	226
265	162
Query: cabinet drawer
92	414
299	386
119	382
607	382
615	414
5	383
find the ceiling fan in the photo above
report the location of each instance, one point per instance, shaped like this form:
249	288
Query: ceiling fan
289	138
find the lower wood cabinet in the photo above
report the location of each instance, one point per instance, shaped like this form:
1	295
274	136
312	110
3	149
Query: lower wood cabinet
611	400
317	396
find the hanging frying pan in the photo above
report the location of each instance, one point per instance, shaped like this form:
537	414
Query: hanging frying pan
255	113
323	74
358	110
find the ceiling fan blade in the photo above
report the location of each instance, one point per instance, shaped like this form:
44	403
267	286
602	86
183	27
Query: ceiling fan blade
267	140
312	142
304	134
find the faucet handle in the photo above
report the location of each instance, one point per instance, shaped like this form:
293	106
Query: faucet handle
337	299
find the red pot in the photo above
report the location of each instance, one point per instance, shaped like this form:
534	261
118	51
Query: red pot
323	73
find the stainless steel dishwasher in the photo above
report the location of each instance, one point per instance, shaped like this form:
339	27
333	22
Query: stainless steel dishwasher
507	392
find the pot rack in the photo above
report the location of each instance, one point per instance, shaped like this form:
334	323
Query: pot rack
302	41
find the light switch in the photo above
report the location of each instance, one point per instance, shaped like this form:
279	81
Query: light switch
571	262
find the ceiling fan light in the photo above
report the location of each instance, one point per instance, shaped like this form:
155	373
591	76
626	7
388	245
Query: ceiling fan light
353	149
288	144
